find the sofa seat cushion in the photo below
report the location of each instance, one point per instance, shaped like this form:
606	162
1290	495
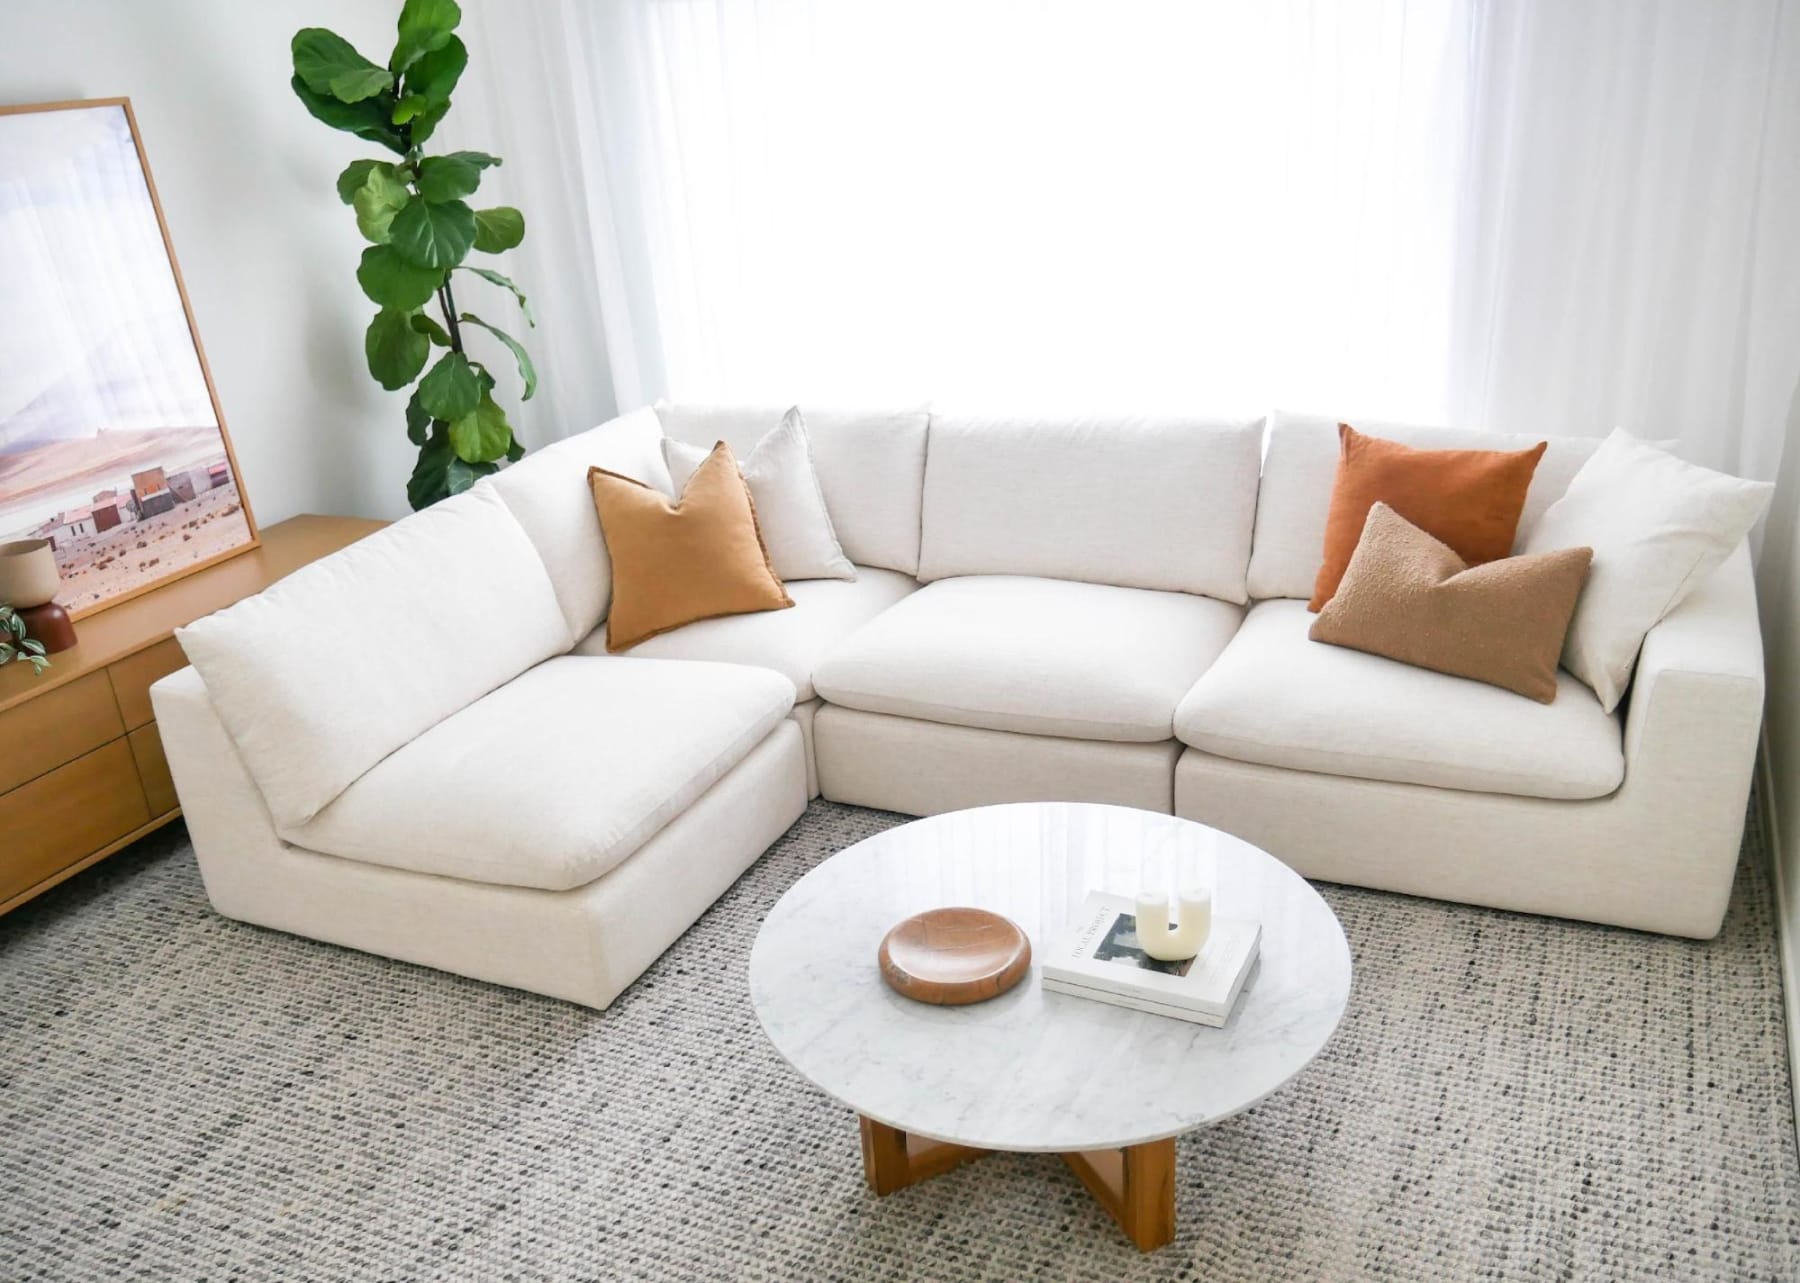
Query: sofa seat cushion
791	642
557	776
1277	698
1041	656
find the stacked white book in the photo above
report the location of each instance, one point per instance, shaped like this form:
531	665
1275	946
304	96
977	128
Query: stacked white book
1098	957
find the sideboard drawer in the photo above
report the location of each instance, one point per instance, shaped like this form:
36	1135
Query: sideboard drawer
153	769
133	675
56	727
67	814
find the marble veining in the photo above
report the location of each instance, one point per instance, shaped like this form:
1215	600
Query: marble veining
1032	1070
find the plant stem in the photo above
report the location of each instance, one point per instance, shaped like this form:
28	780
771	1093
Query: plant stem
447	301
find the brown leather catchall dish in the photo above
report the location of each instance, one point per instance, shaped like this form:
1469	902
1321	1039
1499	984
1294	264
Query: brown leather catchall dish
951	957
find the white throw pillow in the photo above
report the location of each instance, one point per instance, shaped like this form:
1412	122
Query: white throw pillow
790	507
1658	528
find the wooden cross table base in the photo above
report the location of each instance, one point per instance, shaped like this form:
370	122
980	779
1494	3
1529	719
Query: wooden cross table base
1136	1184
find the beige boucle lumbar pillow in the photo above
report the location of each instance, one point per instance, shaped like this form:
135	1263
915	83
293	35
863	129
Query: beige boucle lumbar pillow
1408	596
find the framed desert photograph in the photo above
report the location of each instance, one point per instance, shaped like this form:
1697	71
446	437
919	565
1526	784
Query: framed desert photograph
112	446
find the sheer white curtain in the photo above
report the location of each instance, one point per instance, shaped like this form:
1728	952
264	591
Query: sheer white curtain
1538	216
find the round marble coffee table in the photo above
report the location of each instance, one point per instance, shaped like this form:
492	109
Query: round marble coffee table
1106	1087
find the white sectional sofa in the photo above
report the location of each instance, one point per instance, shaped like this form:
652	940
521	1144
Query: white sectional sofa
419	746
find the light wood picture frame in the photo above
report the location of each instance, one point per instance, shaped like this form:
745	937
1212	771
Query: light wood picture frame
113	445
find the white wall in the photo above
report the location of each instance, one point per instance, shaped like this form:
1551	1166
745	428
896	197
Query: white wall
267	252
1778	573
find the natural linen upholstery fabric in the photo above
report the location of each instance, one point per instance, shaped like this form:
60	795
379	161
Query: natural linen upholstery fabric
1278	698
871	466
792	642
1409	597
325	673
1162	503
1658	527
790	507
697	558
1300	468
547	492
1470	499
1042	656
558	776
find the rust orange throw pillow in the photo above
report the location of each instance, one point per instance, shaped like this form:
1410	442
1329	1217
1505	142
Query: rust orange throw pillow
1469	499
674	563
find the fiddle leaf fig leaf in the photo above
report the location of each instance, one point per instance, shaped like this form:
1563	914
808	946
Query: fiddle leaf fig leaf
355	174
435	74
377	201
453	176
527	371
367	119
498	229
482	435
505	283
450	391
425	26
396	352
329	64
433	233
431	330
418	422
392	282
408	107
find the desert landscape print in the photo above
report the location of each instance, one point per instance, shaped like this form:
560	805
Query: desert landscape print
109	444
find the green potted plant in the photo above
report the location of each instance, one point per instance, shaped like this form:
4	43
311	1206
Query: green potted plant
14	644
415	214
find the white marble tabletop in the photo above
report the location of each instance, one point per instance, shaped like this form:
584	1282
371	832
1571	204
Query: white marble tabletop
1031	1070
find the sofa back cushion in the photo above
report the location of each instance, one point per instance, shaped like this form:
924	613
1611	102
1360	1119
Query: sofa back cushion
871	466
547	492
1165	503
327	672
1300	465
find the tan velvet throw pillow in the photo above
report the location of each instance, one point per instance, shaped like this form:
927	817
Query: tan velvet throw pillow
1470	499
1409	597
674	563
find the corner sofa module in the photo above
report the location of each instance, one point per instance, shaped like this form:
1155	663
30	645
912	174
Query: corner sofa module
465	795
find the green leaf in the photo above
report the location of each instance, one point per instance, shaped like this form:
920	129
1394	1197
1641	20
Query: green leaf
425	25
408	107
482	435
429	481
462	475
433	233
498	229
450	391
527	371
392	282
329	64
426	125
452	176
435	74
515	451
355	174
381	197
396	352
505	283
367	119
418	422
431	330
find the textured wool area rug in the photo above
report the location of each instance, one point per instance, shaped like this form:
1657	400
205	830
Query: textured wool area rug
183	1097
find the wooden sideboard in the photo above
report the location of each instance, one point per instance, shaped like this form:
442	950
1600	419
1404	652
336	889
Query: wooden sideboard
82	771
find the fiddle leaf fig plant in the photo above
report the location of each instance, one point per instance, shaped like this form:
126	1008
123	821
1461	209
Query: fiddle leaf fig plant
415	212
14	644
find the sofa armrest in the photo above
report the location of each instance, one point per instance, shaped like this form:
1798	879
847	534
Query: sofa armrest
1701	668
1696	700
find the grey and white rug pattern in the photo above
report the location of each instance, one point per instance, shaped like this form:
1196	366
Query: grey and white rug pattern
183	1097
